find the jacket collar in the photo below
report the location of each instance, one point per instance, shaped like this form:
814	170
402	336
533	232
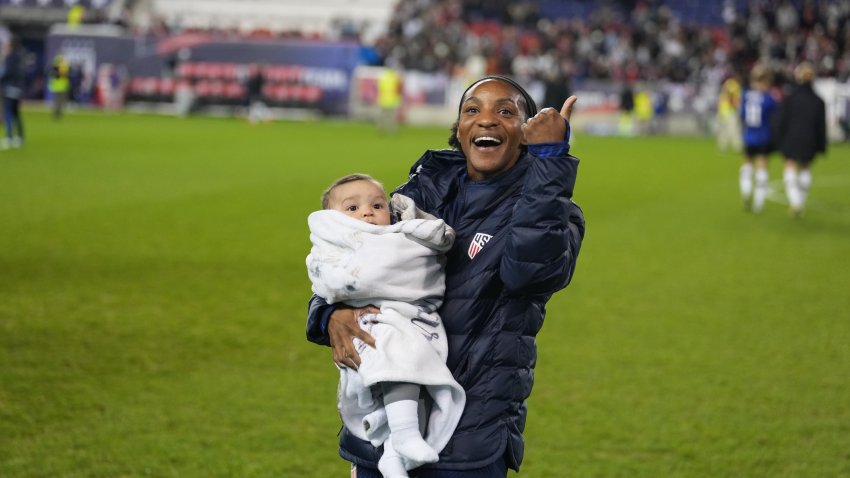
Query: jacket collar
440	175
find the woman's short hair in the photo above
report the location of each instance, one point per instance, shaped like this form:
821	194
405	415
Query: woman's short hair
804	73
760	74
527	104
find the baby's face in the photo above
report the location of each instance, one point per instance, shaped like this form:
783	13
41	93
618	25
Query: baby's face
362	200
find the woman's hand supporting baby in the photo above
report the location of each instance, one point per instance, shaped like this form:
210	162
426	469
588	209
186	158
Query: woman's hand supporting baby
343	328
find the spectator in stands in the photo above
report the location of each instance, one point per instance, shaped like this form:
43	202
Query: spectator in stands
184	97
76	14
111	84
557	83
801	135
627	110
170	64
660	105
757	110
506	189
75	83
650	41
257	110
13	82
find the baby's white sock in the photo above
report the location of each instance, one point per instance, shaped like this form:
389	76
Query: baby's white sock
391	465
403	419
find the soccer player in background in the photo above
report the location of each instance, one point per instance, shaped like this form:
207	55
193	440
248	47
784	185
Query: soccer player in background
12	82
801	134
757	109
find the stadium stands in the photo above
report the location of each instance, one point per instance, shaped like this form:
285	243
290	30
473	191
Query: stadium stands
223	84
690	44
672	39
317	17
62	4
53	11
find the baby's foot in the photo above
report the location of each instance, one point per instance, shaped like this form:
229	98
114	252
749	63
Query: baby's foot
391	465
412	447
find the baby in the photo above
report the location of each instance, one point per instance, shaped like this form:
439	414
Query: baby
362	257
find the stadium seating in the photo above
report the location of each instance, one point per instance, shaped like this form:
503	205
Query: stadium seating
316	16
95	4
693	42
222	84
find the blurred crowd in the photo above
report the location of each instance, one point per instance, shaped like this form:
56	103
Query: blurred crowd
620	41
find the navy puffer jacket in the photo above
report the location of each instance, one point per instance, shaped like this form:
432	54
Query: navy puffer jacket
530	233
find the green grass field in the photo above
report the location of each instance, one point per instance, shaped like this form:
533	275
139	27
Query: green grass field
153	296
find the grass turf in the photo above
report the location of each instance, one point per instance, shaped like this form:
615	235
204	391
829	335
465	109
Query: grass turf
153	296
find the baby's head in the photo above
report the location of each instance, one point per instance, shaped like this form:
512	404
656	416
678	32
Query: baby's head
359	196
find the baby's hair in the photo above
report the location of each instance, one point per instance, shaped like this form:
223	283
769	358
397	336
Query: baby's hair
326	196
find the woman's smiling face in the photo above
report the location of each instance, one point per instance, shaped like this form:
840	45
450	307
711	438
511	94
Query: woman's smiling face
490	128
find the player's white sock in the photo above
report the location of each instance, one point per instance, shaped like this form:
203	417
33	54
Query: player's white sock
792	188
760	192
403	419
391	464
804	181
745	180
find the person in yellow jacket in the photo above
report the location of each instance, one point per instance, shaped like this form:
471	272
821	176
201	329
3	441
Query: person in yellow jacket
76	14
644	111
58	85
389	100
728	120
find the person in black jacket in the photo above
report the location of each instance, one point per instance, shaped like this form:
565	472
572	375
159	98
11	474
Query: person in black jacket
506	189
254	102
801	133
12	83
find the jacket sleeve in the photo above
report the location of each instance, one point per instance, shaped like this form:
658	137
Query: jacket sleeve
821	126
317	321
546	228
778	123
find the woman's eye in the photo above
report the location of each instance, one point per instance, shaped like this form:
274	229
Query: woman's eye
471	109
506	112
